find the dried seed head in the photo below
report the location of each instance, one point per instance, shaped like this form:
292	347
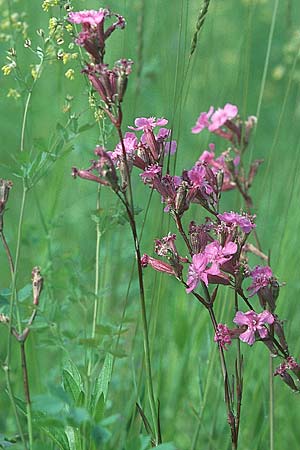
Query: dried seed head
37	284
5	186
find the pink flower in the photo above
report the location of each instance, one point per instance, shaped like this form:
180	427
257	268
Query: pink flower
218	255
221	116
89	17
215	120
206	265
150	173
130	143
203	121
143	123
254	323
197	272
222	336
198	176
170	147
235	219
261	277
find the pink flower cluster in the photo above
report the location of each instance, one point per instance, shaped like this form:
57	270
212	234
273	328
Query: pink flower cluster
214	120
207	266
89	17
232	219
93	36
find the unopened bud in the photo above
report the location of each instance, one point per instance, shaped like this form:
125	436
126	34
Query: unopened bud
180	199
286	377
27	43
278	328
12	52
40	32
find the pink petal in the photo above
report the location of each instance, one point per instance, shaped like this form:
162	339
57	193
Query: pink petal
248	337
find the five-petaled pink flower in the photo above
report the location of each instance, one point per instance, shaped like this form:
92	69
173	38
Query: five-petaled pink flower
221	115
261	277
203	121
254	323
235	219
142	123
218	255
197	272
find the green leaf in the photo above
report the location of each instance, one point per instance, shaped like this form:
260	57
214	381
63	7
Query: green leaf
86	127
100	435
99	409
166	446
24	293
58	436
73	436
70	386
102	382
62	131
4	443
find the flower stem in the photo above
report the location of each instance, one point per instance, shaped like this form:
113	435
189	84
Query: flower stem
13	404
13	301
96	291
27	394
271	402
130	212
24	120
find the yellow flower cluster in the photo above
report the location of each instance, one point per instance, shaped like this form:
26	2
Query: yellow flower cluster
48	3
66	57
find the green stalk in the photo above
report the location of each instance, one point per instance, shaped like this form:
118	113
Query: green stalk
25	119
96	291
130	212
6	365
27	395
13	302
271	402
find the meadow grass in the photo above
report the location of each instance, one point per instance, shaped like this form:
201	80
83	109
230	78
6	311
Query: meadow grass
239	50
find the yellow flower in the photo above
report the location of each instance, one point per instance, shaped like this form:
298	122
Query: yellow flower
65	57
69	27
53	22
70	74
98	115
35	71
13	93
8	68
